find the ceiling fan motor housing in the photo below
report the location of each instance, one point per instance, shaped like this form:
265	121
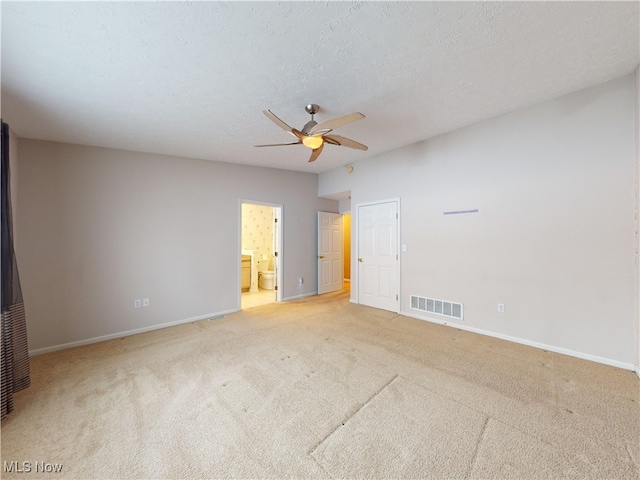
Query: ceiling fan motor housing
312	108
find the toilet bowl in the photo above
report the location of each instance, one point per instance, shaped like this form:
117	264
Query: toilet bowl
266	280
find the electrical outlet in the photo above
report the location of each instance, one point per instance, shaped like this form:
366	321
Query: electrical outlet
145	302
501	308
137	303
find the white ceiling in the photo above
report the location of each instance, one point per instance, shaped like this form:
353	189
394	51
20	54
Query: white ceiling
192	79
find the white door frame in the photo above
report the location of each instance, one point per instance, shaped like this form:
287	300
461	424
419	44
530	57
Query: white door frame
279	214
354	260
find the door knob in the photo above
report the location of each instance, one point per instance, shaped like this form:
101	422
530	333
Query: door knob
360	260
320	256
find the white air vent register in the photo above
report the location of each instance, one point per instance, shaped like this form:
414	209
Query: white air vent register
439	307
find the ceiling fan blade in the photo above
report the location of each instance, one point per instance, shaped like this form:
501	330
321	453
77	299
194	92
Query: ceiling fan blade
336	122
321	132
279	144
308	126
345	142
316	152
271	116
297	133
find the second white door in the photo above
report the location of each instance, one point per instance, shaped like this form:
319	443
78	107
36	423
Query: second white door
378	256
330	262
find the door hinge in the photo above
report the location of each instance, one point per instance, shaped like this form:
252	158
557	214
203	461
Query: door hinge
276	289
275	220
275	254
396	216
396	297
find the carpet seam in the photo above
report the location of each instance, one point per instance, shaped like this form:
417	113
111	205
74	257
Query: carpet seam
352	414
474	458
482	412
633	462
315	460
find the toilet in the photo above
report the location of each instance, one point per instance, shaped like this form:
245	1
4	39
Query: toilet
266	280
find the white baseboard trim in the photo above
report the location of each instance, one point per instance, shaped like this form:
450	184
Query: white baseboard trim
296	297
551	348
112	336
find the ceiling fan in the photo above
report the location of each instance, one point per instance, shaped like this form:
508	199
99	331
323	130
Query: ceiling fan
314	135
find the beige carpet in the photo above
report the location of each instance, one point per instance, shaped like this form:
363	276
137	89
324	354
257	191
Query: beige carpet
321	388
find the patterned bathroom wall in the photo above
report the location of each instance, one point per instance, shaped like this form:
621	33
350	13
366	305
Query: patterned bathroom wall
257	231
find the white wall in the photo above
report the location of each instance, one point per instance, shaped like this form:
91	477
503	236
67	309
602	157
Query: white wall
637	217
100	228
344	205
554	236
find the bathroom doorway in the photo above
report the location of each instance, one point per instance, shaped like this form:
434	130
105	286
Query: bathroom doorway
260	255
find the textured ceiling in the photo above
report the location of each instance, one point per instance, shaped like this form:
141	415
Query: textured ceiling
192	78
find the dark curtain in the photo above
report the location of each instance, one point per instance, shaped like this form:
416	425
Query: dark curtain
15	353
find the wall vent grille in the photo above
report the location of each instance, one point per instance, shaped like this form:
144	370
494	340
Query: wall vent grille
439	307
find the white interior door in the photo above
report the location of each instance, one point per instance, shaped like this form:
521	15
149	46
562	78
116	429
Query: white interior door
330	266
378	256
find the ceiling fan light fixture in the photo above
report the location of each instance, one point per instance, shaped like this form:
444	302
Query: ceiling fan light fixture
314	135
312	142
